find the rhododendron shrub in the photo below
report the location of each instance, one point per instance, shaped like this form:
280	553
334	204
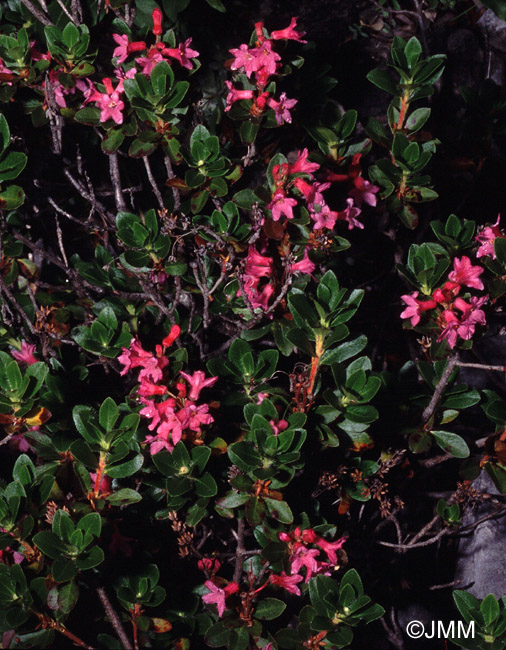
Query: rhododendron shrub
231	335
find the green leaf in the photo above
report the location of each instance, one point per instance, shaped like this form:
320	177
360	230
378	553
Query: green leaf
451	443
344	351
11	198
240	354
412	51
279	510
490	609
91	523
12	165
4	134
244	456
124	497
205	486
383	80
108	414
49	544
217	4
269	609
417	119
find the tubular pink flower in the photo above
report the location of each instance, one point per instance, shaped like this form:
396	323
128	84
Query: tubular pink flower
363	191
258	266
416	307
305	557
288	33
464	273
305	265
266	58
246	58
302	164
183	53
121	52
25	354
218	596
147	63
287	582
282	108
325	218
197	382
281	205
350	214
236	95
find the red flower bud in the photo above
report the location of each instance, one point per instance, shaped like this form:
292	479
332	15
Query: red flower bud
171	336
157	22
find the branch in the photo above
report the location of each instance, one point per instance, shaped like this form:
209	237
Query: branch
116	182
152	181
37	13
114	618
440	388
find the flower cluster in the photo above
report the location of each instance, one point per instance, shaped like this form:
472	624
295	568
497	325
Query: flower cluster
106	96
262	61
178	415
454	316
299	176
303	556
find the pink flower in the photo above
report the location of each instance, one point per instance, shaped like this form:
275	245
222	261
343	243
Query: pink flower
183	53
305	265
281	205
174	334
302	164
363	191
350	215
486	237
246	58
193	417
450	331
148	388
289	33
25	354
217	596
282	108
121	52
465	273
266	58
330	548
197	382
416	307
325	218
261	397
305	557
110	103
287	582
136	356
236	95
150	61
258	266
257	298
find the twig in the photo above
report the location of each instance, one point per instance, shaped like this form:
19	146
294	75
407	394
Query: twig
481	366
114	618
116	182
438	392
37	13
175	192
5	289
152	181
